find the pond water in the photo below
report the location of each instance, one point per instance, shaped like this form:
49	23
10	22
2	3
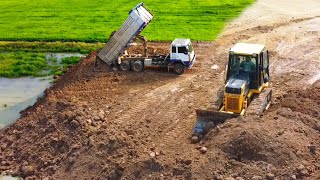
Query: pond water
16	94
59	56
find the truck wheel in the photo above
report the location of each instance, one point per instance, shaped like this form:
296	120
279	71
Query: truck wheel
179	68
137	66
125	66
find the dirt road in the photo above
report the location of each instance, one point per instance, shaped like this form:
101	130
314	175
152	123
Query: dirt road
98	125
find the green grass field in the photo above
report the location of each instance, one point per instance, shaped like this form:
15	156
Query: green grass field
93	21
83	26
17	64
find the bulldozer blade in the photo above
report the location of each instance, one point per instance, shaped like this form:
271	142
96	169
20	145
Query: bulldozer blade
207	119
213	115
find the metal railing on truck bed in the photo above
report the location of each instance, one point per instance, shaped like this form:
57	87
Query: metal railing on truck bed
139	18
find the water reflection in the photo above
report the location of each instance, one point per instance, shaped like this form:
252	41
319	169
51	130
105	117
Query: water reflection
17	94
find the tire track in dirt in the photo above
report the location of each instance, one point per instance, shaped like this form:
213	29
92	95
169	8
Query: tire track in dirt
152	99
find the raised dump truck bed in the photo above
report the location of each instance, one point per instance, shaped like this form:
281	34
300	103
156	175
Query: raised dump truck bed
139	18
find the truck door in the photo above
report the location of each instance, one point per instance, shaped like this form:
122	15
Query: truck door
183	54
174	54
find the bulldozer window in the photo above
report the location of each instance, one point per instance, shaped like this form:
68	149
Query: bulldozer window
241	64
247	64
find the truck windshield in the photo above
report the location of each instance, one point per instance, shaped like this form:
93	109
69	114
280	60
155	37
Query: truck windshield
241	64
190	48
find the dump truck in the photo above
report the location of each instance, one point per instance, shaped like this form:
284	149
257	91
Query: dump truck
246	90
114	53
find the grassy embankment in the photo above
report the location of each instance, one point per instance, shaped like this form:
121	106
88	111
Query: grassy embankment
17	64
86	22
22	58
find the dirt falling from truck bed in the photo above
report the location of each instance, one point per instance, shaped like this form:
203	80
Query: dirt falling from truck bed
112	125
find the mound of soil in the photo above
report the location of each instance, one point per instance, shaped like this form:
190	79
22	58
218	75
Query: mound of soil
304	101
247	147
101	124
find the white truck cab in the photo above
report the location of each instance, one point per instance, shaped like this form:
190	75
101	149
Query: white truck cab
182	52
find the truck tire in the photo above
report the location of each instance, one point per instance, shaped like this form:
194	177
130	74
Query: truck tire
125	66
179	68
137	66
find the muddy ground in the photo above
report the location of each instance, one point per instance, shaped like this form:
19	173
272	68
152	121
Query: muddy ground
124	125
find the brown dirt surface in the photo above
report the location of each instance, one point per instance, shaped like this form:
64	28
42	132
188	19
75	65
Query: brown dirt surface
100	124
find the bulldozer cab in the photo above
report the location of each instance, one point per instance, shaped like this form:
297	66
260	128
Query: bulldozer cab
250	61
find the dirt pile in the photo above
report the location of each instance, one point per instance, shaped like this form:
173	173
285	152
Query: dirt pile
100	124
151	48
280	143
254	147
304	101
85	123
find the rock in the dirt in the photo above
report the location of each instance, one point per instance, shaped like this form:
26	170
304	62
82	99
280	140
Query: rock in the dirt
153	147
27	170
96	118
313	149
270	176
304	173
71	160
256	178
218	177
301	168
101	115
178	171
214	67
293	177
186	161
203	150
113	175
119	171
195	139
4	163
74	123
152	154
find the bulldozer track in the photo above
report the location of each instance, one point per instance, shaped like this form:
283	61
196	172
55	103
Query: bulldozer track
260	103
170	131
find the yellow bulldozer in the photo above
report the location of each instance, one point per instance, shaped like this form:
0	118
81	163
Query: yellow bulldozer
246	90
